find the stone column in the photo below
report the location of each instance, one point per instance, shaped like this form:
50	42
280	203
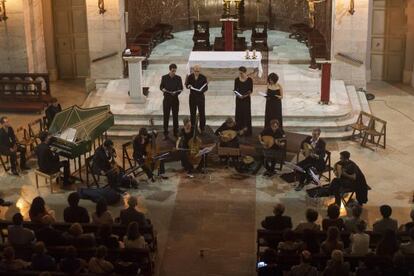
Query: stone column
135	79
49	40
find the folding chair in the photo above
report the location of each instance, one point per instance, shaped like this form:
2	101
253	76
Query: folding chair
328	168
377	128
35	127
361	125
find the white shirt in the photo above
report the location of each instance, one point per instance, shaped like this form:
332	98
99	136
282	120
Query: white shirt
359	244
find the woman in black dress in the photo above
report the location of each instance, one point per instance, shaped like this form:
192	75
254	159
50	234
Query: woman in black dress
243	85
273	100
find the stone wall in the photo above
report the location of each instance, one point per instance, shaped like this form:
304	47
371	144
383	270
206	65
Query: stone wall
350	37
106	34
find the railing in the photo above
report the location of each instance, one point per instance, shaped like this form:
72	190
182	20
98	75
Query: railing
349	59
105	57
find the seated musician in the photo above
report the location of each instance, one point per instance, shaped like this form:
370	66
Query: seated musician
103	162
51	111
314	150
276	133
48	160
228	125
349	177
185	135
140	144
10	147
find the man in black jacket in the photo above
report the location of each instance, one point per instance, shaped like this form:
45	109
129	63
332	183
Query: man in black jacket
131	214
51	111
315	159
48	160
278	222
172	86
197	83
9	146
75	213
103	162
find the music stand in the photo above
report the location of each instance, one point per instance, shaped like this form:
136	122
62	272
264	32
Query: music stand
203	153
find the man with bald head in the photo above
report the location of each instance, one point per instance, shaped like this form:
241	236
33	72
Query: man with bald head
197	83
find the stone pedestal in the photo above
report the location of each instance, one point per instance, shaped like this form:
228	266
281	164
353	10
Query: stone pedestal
135	79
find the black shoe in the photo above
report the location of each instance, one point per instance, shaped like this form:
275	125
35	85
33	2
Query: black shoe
299	187
163	176
24	168
152	179
14	172
6	203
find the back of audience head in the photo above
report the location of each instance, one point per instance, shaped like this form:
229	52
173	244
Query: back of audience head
70	252
101	207
333	211
39	248
332	234
105	230
311	215
133	231
73	199
288	235
132	202
8	253
337	256
38	206
76	229
386	211
306	257
357	211
101	252
17	219
279	209
361	226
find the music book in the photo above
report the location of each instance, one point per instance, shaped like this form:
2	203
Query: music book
206	150
68	134
263	94
237	93
198	89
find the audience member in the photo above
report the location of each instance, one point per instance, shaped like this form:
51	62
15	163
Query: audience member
382	225
42	261
409	225
10	263
51	111
102	215
368	267
408	248
77	238
332	241
388	245
98	264
310	242
289	244
269	265
74	213
311	217
278	222
105	237
50	236
19	235
133	239
360	240
70	263
131	214
333	218
350	224
305	267
399	267
336	265
38	212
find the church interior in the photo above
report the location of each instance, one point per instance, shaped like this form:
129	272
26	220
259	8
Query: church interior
206	137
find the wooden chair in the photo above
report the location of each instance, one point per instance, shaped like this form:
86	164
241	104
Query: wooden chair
228	152
376	128
89	170
259	33
201	37
23	138
49	178
5	162
361	125
328	168
35	127
133	166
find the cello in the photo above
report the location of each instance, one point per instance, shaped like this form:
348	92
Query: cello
194	146
152	149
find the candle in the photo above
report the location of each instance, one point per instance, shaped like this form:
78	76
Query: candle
247	54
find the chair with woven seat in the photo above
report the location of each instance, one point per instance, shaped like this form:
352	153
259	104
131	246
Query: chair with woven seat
259	34
201	37
49	178
361	125
376	128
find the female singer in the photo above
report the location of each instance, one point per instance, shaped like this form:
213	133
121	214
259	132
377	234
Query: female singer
244	86
273	100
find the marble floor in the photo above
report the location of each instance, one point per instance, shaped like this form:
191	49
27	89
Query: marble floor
219	212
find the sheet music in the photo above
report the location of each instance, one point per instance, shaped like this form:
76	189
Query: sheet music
237	93
198	89
205	150
68	134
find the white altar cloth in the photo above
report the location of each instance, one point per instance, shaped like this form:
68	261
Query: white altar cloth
221	59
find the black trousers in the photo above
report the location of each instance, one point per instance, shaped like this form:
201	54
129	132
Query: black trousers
197	102
170	104
307	163
149	171
66	170
188	166
270	158
13	156
339	184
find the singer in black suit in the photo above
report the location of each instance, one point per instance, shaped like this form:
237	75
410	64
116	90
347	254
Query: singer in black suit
171	83
48	160
197	100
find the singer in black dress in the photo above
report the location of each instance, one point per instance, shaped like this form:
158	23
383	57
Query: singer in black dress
273	100
244	85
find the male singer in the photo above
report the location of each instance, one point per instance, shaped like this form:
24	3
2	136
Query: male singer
197	83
